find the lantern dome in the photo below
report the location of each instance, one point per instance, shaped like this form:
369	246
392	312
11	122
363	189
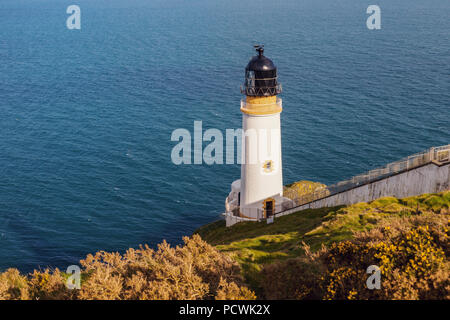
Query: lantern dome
261	76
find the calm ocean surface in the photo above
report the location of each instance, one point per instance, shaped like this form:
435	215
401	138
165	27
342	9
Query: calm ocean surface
86	116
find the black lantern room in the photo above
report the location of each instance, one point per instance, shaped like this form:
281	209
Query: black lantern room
261	76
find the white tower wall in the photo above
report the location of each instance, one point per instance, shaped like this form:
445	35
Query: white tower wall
262	145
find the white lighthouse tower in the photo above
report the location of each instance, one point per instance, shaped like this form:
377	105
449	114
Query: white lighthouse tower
259	192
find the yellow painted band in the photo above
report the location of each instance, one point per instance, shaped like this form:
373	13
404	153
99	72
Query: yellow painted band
271	109
261	106
261	100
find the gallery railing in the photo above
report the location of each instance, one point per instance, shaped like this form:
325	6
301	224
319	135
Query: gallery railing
262	90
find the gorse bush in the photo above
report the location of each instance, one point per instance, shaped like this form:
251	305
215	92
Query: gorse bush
13	286
301	188
193	271
313	254
413	258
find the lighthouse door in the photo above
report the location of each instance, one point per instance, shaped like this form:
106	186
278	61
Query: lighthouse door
269	207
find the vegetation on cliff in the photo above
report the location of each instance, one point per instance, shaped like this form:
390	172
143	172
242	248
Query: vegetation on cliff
324	253
193	271
312	254
300	188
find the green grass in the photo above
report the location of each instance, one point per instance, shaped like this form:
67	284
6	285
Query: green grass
254	244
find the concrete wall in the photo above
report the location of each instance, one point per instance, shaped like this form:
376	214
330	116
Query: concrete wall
232	220
430	178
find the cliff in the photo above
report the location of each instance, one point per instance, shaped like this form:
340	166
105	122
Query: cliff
273	256
312	254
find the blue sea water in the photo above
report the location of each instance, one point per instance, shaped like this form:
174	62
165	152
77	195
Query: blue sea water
86	115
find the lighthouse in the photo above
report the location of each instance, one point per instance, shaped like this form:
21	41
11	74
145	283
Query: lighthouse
259	193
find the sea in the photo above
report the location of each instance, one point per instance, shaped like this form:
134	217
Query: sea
87	115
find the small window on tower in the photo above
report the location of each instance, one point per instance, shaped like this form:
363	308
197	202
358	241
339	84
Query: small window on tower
250	81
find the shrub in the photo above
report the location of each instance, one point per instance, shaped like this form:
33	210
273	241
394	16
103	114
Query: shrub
13	286
292	279
412	257
48	285
302	188
193	271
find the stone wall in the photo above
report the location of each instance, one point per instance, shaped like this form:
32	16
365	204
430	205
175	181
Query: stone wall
430	178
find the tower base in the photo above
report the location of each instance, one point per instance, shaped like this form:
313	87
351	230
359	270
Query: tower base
256	211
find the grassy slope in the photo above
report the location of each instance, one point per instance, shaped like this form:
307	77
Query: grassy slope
254	244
